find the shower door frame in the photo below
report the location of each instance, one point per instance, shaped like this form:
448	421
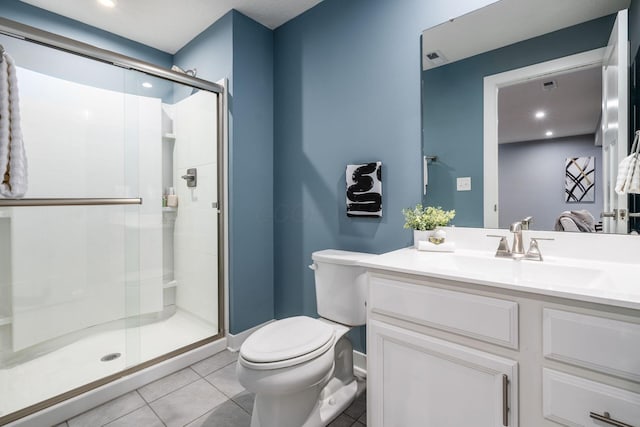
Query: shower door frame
34	35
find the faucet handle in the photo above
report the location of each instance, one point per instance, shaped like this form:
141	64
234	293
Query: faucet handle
503	250
534	253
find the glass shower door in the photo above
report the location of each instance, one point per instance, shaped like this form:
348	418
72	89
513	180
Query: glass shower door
91	286
69	274
178	238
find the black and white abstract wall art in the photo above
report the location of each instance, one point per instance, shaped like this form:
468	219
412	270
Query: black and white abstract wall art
580	180
364	190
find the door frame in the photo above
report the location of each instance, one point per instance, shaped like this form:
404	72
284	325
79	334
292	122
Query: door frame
615	148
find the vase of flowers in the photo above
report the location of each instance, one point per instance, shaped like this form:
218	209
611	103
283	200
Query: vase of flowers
423	220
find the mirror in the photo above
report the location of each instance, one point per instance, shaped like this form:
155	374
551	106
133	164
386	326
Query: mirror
486	75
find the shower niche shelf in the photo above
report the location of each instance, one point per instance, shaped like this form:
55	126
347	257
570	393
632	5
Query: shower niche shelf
6	320
170	284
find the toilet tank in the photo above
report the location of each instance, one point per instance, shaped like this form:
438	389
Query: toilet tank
341	286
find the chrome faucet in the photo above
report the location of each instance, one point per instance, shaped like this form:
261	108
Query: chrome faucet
517	250
526	222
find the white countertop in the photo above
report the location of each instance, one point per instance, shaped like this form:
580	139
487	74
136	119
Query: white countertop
603	282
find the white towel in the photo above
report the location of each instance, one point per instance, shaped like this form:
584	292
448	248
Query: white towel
628	180
13	159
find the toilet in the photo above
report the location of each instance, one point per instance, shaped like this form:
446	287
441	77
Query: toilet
301	368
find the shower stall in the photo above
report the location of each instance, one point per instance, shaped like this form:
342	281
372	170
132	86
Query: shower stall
113	260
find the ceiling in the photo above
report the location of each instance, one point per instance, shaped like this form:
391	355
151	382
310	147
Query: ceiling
571	108
168	25
506	22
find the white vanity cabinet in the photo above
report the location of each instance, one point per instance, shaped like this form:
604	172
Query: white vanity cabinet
601	345
452	353
416	379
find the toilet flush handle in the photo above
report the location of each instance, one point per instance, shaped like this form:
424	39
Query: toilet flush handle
314	266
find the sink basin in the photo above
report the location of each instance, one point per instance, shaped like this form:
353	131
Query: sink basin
546	274
553	274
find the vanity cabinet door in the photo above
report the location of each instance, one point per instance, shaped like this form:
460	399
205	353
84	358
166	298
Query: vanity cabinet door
420	381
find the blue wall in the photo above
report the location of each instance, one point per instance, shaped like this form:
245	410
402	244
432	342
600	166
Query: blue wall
453	111
519	162
241	49
347	90
251	295
210	52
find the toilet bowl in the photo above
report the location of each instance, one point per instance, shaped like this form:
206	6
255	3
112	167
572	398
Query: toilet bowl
301	368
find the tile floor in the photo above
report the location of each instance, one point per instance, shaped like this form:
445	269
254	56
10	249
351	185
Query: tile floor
205	394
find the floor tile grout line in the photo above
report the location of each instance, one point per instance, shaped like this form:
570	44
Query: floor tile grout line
169	392
157	415
211	410
215	370
123	415
239	406
225	394
175	389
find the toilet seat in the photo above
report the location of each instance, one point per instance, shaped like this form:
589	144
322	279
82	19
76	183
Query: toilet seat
286	342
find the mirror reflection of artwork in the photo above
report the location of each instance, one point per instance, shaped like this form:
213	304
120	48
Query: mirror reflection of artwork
580	182
364	189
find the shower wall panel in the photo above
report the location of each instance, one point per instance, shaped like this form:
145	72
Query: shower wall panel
196	226
5	271
68	263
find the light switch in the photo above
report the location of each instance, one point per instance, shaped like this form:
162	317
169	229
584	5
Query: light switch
464	183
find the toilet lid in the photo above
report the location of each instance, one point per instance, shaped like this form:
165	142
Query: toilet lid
286	339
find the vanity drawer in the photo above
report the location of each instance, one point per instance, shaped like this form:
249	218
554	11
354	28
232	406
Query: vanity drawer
597	343
488	319
570	400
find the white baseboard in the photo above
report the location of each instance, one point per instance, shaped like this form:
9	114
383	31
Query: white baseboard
234	342
359	364
79	404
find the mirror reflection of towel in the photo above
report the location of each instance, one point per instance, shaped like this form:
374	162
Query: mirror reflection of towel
581	220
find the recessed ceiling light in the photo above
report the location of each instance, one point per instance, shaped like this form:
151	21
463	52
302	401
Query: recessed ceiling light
540	114
549	133
147	85
108	3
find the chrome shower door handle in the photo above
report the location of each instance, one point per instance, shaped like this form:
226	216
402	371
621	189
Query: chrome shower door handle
191	177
